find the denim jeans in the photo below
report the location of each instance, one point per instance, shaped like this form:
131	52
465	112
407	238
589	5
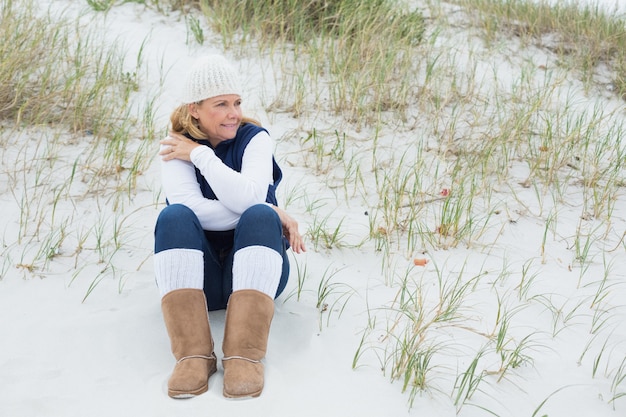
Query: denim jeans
177	227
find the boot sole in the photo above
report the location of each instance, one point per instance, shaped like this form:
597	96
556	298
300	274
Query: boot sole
181	395
242	396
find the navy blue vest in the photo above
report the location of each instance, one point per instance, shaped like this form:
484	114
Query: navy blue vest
231	153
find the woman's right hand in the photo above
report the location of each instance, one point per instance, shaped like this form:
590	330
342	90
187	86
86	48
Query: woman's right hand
290	230
177	146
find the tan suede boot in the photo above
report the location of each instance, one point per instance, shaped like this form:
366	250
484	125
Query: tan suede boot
248	318
187	322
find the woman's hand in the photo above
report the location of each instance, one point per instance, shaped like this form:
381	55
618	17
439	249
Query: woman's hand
177	146
290	230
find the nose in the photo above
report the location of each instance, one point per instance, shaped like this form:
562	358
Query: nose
233	111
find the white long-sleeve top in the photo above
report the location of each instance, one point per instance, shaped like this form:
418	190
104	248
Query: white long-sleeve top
236	191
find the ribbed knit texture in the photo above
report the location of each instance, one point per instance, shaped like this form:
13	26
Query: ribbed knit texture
257	268
210	76
179	268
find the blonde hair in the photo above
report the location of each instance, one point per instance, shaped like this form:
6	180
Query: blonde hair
183	122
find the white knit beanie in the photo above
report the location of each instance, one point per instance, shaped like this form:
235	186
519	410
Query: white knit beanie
210	76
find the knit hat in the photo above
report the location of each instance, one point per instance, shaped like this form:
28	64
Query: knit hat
210	76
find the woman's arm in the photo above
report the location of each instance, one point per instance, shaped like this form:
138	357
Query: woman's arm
238	191
181	187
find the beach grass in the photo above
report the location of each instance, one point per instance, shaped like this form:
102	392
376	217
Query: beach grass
72	132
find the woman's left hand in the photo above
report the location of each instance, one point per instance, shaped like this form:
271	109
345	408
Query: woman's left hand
290	230
177	146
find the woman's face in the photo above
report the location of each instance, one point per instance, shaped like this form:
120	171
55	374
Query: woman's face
218	117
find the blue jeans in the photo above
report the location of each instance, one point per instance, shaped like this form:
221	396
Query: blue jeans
177	227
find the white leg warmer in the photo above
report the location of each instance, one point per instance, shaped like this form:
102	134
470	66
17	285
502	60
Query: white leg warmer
179	268
257	268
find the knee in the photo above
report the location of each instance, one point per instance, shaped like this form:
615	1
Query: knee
177	227
260	214
175	215
259	225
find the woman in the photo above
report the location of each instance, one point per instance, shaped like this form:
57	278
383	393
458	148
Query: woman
221	241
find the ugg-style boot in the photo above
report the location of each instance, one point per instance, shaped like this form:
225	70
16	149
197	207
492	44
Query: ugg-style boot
187	322
248	318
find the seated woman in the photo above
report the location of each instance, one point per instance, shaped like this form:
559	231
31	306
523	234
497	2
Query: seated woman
221	241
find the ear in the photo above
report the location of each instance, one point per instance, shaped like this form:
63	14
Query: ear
192	108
